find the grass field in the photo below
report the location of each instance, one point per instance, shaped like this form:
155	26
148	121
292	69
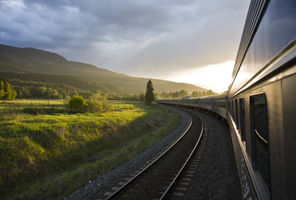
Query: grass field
46	156
15	106
34	101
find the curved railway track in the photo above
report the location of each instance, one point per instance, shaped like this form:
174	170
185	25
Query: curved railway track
157	179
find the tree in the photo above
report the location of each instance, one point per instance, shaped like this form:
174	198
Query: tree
12	95
25	92
77	105
6	91
149	95
141	96
196	94
2	93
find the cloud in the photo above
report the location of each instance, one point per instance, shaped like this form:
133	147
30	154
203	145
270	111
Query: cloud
41	26
146	38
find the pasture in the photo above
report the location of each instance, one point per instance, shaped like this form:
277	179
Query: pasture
51	153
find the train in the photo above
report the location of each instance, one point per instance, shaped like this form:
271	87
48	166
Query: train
260	103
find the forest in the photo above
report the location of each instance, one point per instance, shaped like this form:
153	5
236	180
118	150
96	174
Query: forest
183	93
29	86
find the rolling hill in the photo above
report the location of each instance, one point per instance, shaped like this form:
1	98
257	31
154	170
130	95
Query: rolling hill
28	64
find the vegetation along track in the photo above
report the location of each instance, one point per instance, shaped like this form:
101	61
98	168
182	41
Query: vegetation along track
155	180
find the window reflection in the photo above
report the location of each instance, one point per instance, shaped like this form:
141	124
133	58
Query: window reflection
260	140
242	118
275	31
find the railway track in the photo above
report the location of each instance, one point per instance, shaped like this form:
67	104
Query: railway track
158	178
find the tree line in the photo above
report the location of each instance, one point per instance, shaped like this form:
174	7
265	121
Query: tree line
49	90
131	97
183	93
6	91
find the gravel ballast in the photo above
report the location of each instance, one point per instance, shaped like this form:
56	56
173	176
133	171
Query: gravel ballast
105	184
214	174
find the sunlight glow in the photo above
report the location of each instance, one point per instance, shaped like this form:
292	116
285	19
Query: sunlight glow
215	77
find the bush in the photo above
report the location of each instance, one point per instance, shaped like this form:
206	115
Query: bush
94	105
77	105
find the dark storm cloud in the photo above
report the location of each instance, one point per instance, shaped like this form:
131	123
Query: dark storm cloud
135	35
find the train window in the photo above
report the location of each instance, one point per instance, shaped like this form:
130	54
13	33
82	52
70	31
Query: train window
232	109
223	104
259	132
242	118
236	114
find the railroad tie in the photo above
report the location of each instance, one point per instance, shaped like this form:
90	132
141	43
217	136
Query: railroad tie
186	179
184	183
188	175
180	194
107	193
181	188
115	188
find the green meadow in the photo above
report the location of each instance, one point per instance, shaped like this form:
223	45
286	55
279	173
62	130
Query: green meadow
47	153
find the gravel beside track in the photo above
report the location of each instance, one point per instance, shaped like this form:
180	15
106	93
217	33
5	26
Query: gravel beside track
212	173
105	184
154	181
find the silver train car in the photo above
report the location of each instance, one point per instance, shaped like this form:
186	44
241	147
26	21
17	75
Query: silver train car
215	103
260	104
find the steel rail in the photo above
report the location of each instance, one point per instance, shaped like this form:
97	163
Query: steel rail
187	160
115	193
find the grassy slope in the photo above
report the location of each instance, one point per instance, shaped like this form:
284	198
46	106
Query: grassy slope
53	155
29	60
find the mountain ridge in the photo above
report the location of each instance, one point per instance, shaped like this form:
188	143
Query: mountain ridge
35	61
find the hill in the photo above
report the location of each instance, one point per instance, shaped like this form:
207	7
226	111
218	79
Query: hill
28	64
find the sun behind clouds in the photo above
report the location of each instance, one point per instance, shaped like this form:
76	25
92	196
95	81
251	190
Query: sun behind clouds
216	77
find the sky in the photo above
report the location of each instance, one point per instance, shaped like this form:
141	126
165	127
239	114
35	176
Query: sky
192	41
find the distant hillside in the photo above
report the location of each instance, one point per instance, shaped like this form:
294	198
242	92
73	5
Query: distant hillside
22	64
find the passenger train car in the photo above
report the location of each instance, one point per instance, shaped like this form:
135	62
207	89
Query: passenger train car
260	104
